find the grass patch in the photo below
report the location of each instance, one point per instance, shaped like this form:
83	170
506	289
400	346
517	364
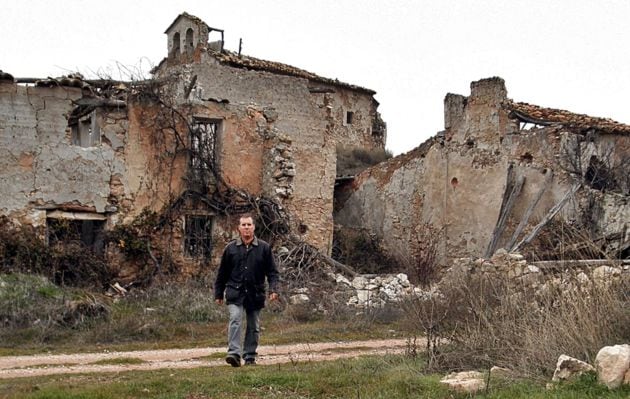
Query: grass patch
364	377
120	360
40	317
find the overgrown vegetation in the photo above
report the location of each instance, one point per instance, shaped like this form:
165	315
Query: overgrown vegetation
65	262
353	160
481	320
37	314
133	239
34	311
423	268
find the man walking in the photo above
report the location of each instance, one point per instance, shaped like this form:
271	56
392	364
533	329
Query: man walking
245	264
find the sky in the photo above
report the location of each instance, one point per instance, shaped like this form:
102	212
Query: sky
567	54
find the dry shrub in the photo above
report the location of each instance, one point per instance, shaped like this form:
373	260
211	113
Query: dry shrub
189	301
561	240
488	320
353	160
65	263
33	309
422	266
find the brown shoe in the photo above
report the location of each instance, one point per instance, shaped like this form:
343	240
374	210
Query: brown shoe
250	362
233	360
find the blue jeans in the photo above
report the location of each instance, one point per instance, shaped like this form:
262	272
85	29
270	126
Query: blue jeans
252	332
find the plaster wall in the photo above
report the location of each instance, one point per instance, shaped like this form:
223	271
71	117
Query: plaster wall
457	183
313	121
40	166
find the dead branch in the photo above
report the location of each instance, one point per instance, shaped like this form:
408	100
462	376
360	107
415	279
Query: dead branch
550	215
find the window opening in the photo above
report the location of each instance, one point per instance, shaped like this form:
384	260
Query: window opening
598	175
198	236
189	41
203	144
86	233
349	117
176	45
85	132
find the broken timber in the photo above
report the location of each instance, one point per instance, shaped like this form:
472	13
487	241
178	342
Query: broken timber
528	212
512	191
340	266
550	215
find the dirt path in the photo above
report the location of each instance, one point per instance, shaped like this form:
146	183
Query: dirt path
38	365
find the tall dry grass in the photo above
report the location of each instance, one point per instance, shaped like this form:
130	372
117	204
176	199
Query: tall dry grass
481	320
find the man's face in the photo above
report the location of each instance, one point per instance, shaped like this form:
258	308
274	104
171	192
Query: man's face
246	228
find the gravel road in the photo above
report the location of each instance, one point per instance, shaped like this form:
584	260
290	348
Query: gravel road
38	365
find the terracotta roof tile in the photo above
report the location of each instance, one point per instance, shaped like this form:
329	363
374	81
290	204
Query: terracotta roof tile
550	116
248	62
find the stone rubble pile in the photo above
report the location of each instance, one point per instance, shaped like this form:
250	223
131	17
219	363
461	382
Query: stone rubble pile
367	290
375	291
542	279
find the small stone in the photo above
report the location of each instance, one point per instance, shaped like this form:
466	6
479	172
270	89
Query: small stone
465	381
359	282
270	114
340	279
299	299
568	367
532	269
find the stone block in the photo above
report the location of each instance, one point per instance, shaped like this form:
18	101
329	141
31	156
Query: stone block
568	368
612	364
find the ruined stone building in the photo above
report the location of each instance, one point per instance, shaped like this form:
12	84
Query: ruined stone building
211	126
498	170
168	160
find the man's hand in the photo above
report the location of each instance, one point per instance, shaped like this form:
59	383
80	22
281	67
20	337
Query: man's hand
218	301
273	296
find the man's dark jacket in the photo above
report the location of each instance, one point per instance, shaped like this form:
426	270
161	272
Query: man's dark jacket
242	273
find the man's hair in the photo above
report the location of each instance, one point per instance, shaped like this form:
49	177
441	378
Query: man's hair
245	216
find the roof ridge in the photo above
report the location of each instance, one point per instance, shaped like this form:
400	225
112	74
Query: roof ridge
248	61
568	118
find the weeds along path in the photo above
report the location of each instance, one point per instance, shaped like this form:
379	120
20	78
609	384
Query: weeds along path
38	365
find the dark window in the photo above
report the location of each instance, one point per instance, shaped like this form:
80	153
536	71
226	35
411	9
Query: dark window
87	233
85	132
189	41
203	137
176	44
349	117
598	175
198	236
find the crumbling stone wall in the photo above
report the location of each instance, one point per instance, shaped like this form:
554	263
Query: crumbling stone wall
303	124
483	176
41	168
